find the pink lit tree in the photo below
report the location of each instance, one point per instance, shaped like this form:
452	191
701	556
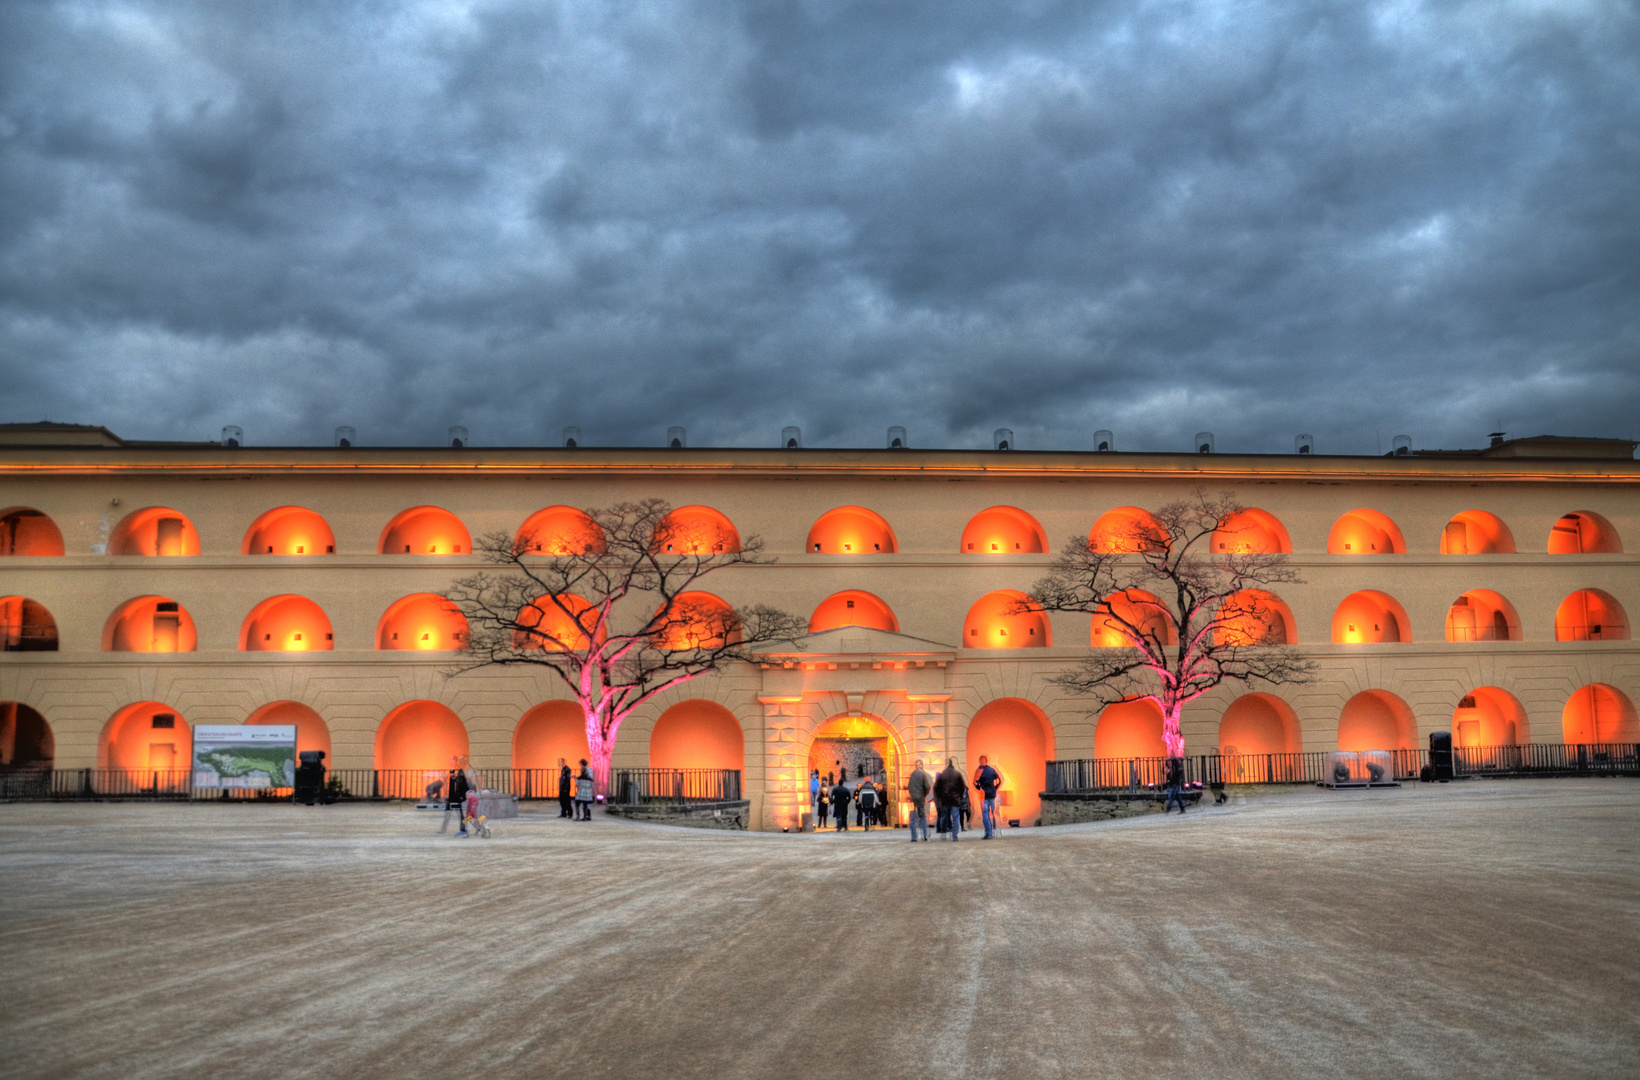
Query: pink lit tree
610	602
1180	618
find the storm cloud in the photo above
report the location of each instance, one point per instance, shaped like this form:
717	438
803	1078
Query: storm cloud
1349	219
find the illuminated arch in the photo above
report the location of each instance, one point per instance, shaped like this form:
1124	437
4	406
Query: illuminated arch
1259	724
1591	615
1129	729
1126	528
1376	720
148	735
289	530
851	530
1599	713
415	739
853	607
1584	533
560	530
548	733
1370	617
423	622
155	530
1488	716
312	733
26	626
287	623
1256	617
990	625
26	531
425	530
150	624
699	620
1476	532
1018	738
1482	615
1137	608
697	735
696	530
1003	530
29	741
556	629
1365	532
1251	531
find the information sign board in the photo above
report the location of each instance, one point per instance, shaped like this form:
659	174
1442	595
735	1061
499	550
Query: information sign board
244	755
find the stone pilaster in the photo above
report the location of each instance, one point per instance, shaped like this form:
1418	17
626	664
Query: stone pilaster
785	764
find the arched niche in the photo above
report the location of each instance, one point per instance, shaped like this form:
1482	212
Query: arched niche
1365	532
991	625
422	622
1018	739
852	607
1476	532
425	530
150	624
550	733
312	733
1591	615
1251	532
696	530
148	735
851	530
1488	716
286	623
1584	533
289	530
1599	713
1370	617
26	739
415	740
556	624
154	530
1256	617
1139	609
698	620
1129	729
1376	720
26	531
697	735
26	626
1003	530
1482	615
1126	529
560	530
1259	724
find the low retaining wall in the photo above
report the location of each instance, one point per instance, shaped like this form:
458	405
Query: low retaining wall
701	815
1073	808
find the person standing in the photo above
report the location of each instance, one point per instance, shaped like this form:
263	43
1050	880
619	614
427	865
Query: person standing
822	804
456	798
840	797
950	789
917	789
566	789
583	793
867	800
987	780
1175	784
814	796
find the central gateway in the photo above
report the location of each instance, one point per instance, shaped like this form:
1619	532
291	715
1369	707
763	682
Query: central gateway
865	746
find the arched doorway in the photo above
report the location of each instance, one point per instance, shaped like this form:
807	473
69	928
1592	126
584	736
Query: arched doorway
418	742
697	735
866	746
1376	720
1487	716
27	743
553	732
1253	729
312	733
1017	738
144	746
1598	713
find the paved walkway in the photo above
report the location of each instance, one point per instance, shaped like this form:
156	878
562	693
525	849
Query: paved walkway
1482	929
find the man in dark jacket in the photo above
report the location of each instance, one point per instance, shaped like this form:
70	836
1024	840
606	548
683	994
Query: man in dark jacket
566	789
918	789
841	796
867	798
1175	785
987	780
949	790
458	788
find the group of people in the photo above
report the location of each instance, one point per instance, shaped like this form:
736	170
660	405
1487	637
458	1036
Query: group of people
575	793
948	792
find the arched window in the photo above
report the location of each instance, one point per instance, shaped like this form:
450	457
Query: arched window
1256	617
853	608
425	530
1365	532
1138	609
560	530
1376	720
1598	713
150	624
696	530
151	737
26	626
851	530
1584	533
1370	617
312	733
424	622
1129	729
24	531
699	620
1475	532
1487	716
289	530
1127	528
697	735
1003	530
1249	532
286	624
1591	615
556	625
992	625
1482	615
155	530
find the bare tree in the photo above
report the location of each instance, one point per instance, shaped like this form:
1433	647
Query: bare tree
1177	618
609	602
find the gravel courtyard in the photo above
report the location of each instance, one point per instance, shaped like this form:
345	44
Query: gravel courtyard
1471	929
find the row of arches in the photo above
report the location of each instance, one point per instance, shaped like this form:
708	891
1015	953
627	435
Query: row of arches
999	620
844	530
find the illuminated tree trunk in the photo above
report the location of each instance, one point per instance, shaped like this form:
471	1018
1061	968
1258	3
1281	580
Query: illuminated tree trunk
1171	735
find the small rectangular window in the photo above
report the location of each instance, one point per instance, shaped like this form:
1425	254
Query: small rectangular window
330	549
165	720
329	637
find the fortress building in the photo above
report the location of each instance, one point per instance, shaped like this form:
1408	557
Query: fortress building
149	587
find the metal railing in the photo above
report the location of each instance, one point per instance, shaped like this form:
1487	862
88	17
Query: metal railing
630	787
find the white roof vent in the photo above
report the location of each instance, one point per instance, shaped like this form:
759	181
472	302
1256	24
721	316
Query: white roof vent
676	438
897	439
233	436
1104	441
346	436
791	438
572	437
1304	444
458	438
1003	439
1204	442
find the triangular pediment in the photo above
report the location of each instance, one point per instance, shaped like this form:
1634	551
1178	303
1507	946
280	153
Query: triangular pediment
854	641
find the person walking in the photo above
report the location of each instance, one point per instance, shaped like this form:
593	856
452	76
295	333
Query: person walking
455	798
950	789
566	789
814	796
866	798
840	797
987	780
583	793
1175	784
917	789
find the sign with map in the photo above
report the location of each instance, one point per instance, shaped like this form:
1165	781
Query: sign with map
244	755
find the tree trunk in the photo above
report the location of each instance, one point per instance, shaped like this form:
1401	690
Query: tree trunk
1171	735
600	750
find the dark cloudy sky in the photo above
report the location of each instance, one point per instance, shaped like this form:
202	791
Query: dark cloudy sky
1354	219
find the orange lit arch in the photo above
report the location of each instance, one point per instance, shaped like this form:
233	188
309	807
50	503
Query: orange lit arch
312	733
851	530
1251	531
147	735
26	531
1482	615
1018	739
558	625
418	737
422	622
551	731
699	620
560	530
1139	609
1259	724
150	624
1376	720
1129	729
1370	617
1365	532
1476	532
696	530
1599	713
1584	533
1488	716
1256	617
289	530
990	624
697	735
425	530
286	623
1591	615
1124	529
1003	530
853	607
155	530
26	626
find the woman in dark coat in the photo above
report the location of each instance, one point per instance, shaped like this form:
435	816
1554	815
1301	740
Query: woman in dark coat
566	789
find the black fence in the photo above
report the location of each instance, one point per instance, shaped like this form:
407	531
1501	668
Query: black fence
631	787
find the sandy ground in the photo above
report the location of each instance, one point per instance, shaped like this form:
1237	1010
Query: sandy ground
1475	929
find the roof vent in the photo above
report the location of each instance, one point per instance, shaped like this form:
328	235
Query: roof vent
1304	444
458	438
572	437
676	438
346	436
1402	446
791	437
1104	441
233	436
1204	442
897	439
1003	439
1497	437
